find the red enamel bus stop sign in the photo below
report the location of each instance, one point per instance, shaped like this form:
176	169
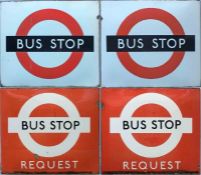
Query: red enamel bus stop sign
152	128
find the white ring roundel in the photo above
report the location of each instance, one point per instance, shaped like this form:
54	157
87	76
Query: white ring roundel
67	106
132	143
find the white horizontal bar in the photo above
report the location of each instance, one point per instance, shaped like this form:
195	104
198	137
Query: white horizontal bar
49	124
117	126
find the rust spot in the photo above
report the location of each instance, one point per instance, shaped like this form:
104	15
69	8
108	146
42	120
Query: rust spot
36	156
99	17
100	105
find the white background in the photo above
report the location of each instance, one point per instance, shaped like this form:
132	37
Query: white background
14	74
113	72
